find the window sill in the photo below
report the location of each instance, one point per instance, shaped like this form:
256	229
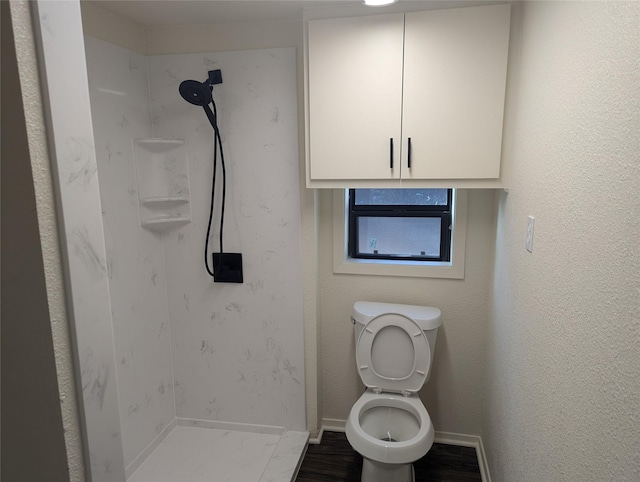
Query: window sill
450	270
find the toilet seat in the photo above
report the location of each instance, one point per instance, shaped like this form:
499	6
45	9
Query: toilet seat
406	370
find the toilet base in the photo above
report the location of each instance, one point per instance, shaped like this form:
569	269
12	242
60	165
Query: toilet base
374	471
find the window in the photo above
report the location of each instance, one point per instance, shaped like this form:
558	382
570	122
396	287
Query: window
400	224
413	265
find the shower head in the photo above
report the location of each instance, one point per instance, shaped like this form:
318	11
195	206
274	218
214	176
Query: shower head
200	93
196	93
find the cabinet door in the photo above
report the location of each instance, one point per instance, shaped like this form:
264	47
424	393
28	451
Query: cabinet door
454	86
355	96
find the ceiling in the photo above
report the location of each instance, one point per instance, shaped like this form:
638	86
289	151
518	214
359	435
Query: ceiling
193	12
153	13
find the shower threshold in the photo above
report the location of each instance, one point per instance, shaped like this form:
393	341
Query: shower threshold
202	451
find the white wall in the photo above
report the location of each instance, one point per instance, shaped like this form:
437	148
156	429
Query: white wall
232	352
119	89
238	349
74	168
105	25
563	371
219	38
452	394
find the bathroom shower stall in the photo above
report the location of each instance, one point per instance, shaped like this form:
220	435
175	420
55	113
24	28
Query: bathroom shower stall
182	378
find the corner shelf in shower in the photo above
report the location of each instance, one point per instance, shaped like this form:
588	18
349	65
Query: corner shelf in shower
164	224
163	183
167	201
159	142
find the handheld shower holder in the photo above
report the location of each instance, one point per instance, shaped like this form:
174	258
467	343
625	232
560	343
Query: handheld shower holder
215	77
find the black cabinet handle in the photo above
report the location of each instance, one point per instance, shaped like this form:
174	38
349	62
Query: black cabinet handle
391	153
409	153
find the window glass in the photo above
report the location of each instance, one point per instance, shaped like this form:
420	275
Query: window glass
400	224
399	236
395	197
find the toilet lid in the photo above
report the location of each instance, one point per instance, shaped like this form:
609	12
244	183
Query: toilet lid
393	354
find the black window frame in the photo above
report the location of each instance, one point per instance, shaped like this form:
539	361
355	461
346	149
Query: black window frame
442	211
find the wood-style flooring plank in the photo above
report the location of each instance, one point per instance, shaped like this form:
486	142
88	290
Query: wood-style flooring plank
333	460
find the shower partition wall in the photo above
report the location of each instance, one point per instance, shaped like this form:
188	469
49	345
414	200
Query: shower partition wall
238	349
118	87
79	212
158	343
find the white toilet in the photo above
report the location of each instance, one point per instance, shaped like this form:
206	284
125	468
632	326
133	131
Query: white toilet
388	425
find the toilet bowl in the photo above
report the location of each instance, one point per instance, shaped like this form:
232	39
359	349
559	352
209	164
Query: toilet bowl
388	425
390	428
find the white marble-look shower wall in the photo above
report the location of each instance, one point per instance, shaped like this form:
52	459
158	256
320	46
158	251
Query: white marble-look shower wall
237	348
135	260
72	149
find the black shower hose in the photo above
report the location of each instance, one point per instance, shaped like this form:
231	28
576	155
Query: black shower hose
217	142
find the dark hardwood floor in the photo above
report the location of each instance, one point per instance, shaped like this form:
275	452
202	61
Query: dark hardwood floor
333	460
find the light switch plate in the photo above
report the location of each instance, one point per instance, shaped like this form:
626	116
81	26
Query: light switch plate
529	240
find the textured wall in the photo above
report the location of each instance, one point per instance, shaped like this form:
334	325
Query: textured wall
451	395
33	447
563	374
25	45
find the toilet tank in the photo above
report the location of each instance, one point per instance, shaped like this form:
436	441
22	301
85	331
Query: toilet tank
427	317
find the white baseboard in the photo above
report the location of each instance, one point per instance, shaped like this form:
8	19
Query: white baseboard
328	425
333	424
318	439
449	438
483	462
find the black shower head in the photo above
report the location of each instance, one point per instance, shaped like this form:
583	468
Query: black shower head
196	93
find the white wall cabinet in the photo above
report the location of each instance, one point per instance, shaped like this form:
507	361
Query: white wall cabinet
416	97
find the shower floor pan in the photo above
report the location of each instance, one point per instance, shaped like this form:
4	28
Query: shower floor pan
206	454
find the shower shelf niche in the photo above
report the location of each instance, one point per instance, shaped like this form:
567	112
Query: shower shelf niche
163	183
164	201
159	224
